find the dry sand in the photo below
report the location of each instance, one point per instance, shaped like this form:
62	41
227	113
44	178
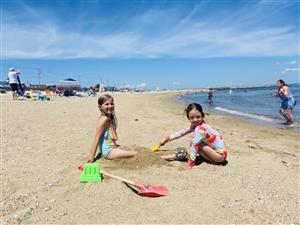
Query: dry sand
43	142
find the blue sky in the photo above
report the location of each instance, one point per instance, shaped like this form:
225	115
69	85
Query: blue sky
166	44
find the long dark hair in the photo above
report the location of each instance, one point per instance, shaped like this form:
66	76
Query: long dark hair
282	82
192	106
101	100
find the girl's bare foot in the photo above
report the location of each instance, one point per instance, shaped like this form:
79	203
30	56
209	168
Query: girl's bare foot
292	125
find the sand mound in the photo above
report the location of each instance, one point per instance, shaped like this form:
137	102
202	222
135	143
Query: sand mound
145	158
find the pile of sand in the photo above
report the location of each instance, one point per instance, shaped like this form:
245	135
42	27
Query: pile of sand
144	159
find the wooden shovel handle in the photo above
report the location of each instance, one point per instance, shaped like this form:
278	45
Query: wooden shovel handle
119	178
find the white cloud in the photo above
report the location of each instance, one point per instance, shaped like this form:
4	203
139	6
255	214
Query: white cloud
190	36
289	70
287	63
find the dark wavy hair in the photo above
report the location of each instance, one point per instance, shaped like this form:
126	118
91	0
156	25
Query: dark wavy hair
192	106
282	82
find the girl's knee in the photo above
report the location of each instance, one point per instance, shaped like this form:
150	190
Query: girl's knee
127	153
119	153
110	157
219	159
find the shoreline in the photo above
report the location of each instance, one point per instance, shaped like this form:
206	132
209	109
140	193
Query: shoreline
257	119
181	104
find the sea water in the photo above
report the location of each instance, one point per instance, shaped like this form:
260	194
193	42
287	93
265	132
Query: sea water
257	105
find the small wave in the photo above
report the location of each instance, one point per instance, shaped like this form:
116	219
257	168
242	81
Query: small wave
249	115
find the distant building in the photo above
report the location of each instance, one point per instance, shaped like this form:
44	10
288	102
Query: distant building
126	89
110	88
40	87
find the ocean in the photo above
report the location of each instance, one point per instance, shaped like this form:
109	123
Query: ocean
255	105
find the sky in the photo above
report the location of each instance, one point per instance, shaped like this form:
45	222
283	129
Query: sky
148	44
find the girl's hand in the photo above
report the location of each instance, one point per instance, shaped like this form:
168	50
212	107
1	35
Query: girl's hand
90	160
163	142
280	92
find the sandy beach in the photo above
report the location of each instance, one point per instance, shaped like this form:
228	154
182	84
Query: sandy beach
43	142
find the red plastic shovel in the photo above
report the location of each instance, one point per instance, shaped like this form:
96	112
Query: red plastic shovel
147	191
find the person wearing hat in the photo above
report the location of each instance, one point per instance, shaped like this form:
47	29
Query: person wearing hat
13	81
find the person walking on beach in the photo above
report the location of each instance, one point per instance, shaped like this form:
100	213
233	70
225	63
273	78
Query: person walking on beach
106	134
206	142
210	96
13	81
288	102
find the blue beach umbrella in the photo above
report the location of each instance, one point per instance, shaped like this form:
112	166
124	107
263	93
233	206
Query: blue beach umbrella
68	80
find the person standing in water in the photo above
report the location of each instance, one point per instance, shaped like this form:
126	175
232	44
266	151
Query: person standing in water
210	96
288	102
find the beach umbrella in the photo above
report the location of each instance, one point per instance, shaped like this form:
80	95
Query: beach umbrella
68	80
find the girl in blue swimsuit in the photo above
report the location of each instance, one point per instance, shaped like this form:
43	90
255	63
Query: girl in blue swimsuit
288	102
106	132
